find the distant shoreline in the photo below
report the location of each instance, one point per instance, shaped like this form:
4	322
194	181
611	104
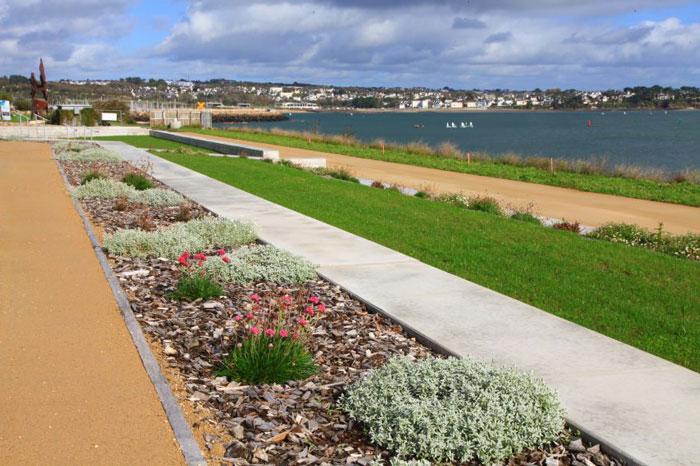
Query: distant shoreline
490	110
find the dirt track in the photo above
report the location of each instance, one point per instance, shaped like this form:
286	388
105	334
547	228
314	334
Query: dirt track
590	209
72	390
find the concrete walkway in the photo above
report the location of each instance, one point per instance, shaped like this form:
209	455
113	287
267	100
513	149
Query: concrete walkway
645	406
73	390
592	209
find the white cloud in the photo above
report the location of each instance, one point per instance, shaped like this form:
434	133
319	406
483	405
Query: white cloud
431	43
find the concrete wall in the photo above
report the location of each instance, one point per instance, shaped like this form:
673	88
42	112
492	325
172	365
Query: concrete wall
24	131
218	146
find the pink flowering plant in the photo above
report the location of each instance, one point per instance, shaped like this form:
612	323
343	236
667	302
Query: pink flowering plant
195	282
273	336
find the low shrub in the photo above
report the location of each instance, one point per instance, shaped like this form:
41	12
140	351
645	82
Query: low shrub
337	173
377	184
262	263
272	337
137	181
184	213
525	217
453	199
89	176
82	152
422	194
485	204
685	246
453	410
121	204
157	197
105	188
573	227
145	222
196	235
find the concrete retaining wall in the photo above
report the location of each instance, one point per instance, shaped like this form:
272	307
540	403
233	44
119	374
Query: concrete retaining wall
218	146
45	132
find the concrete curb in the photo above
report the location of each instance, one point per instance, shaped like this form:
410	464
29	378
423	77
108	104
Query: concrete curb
181	428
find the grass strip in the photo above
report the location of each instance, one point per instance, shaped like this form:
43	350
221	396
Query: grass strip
685	192
640	297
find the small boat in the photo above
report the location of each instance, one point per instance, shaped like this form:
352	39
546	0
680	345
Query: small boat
419	125
451	125
463	125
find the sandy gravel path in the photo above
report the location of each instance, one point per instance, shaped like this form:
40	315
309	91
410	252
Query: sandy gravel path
72	390
590	209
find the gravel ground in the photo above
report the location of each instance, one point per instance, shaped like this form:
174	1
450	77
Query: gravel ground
296	423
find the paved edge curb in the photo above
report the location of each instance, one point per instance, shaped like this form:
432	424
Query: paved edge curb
181	428
591	437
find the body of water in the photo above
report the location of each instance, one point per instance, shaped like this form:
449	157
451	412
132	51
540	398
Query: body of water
668	140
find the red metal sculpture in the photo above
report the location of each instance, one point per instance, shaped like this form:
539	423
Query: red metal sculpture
40	106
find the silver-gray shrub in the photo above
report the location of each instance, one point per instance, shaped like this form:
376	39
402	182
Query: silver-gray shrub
83	152
454	410
261	263
103	188
171	241
106	188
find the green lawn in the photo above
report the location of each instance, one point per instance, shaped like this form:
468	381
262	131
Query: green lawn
646	299
677	193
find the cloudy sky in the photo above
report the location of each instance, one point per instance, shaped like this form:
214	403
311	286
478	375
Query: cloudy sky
590	44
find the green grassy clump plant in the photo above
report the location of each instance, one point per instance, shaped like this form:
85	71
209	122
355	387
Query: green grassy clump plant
527	217
196	235
337	173
193	286
273	338
485	204
137	181
264	360
454	410
89	176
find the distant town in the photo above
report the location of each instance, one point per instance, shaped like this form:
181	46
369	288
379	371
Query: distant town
148	94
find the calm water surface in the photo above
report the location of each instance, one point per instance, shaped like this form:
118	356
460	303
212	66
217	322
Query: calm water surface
654	139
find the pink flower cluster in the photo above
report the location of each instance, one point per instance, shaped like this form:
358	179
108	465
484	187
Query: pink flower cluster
287	316
199	259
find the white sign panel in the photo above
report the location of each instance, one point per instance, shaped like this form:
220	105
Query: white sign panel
5	110
108	116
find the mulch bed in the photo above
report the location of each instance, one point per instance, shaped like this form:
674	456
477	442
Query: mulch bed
106	213
296	423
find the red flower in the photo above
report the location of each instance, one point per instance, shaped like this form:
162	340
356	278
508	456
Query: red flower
309	310
284	333
255	330
314	300
301	321
286	299
200	263
270	332
249	315
200	256
184	258
226	259
255	297
321	308
238	317
221	252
